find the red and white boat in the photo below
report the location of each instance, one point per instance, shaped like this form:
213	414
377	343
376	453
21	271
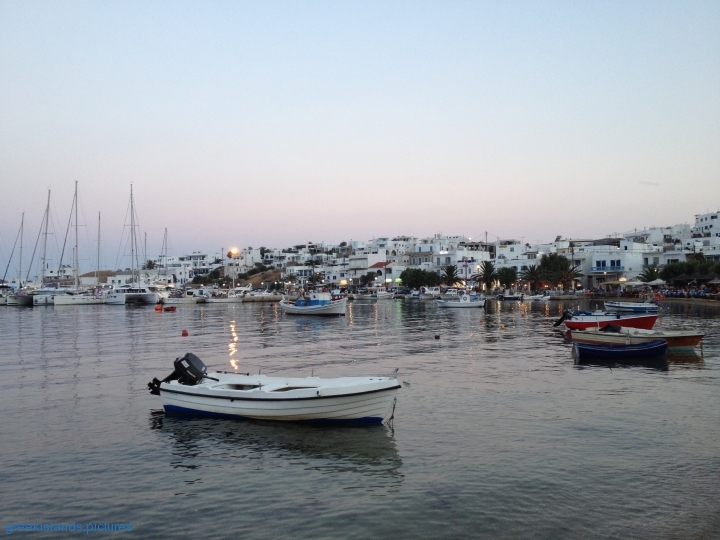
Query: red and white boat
581	320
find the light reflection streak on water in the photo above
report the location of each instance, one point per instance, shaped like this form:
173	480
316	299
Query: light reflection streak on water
232	346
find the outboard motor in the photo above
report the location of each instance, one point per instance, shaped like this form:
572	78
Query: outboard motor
189	370
567	314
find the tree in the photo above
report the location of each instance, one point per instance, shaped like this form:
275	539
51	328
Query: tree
558	269
507	276
450	276
149	265
651	273
367	278
488	275
416	278
533	275
568	277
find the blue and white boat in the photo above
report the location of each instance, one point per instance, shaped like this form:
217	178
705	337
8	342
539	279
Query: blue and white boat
633	307
190	389
315	303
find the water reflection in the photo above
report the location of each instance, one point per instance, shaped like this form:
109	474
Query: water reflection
657	364
365	450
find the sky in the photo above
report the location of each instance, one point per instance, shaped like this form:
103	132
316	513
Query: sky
276	123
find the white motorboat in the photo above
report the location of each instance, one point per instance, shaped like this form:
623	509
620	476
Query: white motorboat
190	389
535	298
464	301
128	294
233	296
633	307
315	303
187	297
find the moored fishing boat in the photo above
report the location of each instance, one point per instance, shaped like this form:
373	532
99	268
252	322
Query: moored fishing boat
463	301
190	389
315	303
651	349
616	335
580	320
633	307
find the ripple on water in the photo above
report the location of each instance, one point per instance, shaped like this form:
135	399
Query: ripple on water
498	432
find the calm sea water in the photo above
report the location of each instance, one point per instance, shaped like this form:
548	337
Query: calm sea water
497	433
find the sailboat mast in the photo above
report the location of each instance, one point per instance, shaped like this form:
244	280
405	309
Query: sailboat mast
44	254
22	223
97	272
77	258
132	235
165	253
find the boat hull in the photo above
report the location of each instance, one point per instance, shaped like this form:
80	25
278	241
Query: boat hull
184	300
652	349
459	304
78	300
119	299
336	308
677	341
372	406
229	300
632	307
20	301
583	322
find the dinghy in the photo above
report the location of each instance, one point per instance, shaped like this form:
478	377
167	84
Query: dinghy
190	389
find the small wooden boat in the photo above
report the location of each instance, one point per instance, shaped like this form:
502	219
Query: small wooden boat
651	349
190	389
316	303
617	335
464	301
633	307
581	320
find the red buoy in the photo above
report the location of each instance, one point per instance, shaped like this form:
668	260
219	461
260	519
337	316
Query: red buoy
185	333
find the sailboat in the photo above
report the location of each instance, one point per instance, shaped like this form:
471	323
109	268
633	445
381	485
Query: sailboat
135	292
20	297
86	298
45	295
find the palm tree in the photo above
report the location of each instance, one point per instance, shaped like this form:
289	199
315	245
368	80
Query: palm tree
450	276
488	275
507	276
533	275
651	273
567	276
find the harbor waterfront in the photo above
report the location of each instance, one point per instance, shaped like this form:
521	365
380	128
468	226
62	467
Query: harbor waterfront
498	432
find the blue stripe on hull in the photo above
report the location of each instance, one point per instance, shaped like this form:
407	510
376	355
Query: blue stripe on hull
195	412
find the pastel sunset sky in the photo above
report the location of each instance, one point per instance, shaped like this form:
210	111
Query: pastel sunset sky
275	123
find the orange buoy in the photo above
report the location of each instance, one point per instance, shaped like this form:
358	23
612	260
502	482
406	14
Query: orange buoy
158	307
185	333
